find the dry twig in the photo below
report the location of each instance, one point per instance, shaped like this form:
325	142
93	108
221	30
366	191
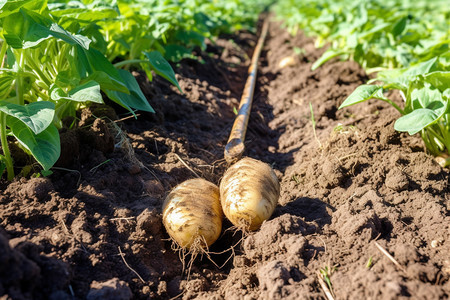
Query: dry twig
324	286
388	255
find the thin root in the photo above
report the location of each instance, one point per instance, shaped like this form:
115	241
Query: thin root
186	165
128	266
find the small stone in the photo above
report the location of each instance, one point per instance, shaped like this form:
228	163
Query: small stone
434	243
288	61
272	149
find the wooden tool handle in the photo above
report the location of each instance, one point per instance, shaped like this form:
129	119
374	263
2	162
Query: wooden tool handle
235	146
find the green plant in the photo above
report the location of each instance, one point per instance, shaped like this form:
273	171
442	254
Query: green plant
425	88
58	56
47	74
406	42
325	274
377	34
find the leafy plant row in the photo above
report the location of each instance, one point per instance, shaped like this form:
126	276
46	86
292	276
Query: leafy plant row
406	42
59	56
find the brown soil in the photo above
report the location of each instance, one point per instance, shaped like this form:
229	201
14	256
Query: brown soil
93	229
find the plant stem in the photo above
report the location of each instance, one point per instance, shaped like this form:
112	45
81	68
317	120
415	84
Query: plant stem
395	106
428	139
38	71
19	81
3	53
4	143
130	61
445	131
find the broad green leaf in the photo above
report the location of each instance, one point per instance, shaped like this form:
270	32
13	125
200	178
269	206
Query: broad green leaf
107	82
439	79
89	91
392	79
401	77
83	14
417	120
58	32
362	93
422	95
329	54
37	115
26	29
135	99
102	71
162	67
421	68
93	32
45	146
8	7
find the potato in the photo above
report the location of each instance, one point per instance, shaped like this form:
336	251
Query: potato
192	214
288	61
249	193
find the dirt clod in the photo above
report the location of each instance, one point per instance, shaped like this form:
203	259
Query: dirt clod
113	289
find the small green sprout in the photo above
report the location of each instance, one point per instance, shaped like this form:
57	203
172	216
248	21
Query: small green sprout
369	263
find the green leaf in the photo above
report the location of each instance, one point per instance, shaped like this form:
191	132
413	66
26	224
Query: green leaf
58	32
101	70
89	91
87	15
162	67
439	79
329	54
400	26
422	68
27	29
362	93
8	7
107	82
400	78
135	99
45	146
423	95
37	115
68	78
417	120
